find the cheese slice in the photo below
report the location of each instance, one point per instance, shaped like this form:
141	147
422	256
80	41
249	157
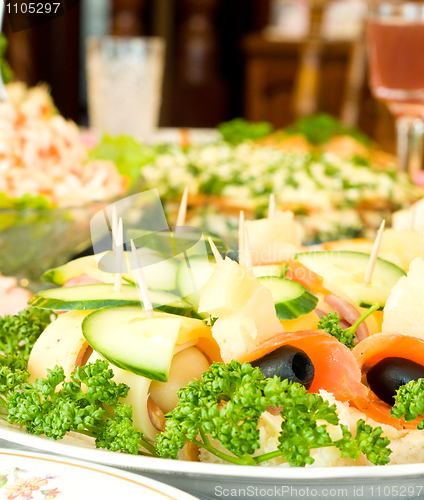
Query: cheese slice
137	397
62	343
273	240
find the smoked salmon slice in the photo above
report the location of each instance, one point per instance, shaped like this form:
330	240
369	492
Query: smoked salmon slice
363	245
336	369
372	350
310	280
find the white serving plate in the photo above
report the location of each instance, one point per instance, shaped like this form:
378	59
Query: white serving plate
44	477
212	481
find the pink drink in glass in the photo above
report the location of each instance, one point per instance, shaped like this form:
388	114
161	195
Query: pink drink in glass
396	57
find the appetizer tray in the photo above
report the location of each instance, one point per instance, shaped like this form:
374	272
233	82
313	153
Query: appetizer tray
211	481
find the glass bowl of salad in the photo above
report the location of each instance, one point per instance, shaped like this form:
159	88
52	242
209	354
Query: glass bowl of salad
50	187
34	239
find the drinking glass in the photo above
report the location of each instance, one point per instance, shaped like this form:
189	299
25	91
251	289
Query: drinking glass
124	78
395	37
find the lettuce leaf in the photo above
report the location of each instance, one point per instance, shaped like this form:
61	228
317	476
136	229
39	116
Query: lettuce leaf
126	152
6	71
25	202
320	128
238	130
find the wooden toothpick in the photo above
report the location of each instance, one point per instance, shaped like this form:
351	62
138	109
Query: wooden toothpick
271	207
142	283
242	238
247	251
182	211
114	227
374	254
215	251
119	250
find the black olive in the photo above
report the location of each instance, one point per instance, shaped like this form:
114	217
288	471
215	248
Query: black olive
386	376
287	362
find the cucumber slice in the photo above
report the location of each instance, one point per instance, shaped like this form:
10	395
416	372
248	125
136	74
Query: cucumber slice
164	240
126	338
273	270
291	299
346	270
188	279
88	297
160	274
60	275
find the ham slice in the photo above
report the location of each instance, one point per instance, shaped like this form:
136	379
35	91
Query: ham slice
344	324
348	313
84	279
320	313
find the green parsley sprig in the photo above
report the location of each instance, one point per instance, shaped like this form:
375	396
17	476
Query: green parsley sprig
227	404
409	402
53	407
19	333
13	374
330	324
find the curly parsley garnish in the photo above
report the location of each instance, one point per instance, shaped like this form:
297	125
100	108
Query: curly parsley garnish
227	404
330	324
409	402
53	407
19	333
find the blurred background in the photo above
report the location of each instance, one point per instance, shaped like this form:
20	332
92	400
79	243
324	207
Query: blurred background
264	60
232	102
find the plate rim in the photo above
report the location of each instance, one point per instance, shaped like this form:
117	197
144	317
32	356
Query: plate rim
165	490
201	469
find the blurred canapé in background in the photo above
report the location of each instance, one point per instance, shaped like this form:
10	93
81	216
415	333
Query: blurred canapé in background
267	60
